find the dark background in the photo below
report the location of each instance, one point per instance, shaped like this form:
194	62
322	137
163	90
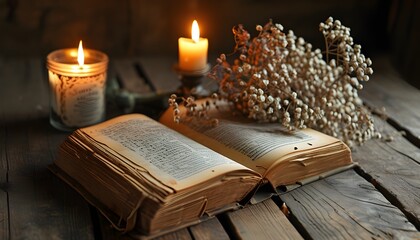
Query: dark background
127	28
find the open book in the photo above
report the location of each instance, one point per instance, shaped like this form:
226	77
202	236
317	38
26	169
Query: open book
141	174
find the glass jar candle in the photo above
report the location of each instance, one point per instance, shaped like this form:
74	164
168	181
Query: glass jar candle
77	91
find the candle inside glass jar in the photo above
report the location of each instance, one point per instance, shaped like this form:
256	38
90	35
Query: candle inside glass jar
77	87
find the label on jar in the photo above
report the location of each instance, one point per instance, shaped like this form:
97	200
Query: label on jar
78	101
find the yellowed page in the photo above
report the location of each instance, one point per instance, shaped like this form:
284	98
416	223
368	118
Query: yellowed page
255	145
171	158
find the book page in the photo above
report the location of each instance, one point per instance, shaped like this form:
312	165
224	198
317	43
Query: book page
264	137
170	157
255	145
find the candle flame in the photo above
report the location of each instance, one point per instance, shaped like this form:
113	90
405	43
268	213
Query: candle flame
80	54
195	32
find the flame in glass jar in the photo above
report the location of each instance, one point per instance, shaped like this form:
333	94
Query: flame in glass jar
80	55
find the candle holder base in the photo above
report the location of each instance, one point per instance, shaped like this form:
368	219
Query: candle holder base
191	82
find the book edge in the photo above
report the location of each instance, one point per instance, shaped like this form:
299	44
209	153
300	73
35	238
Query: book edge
116	221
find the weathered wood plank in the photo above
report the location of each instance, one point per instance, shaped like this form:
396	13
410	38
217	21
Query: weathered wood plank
182	234
41	206
129	77
4	212
346	206
4	206
11	72
394	166
404	25
24	89
210	229
150	27
401	101
107	232
261	221
160	71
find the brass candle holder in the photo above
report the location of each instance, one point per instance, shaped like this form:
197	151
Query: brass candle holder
191	82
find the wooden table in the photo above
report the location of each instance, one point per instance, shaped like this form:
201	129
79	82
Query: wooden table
378	200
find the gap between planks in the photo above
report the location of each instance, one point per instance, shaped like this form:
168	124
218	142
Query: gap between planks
345	206
260	221
392	167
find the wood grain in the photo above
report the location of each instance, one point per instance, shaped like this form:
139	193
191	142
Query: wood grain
40	205
24	89
346	206
388	90
139	27
182	234
129	77
261	221
395	167
210	229
160	70
4	215
4	207
36	204
107	232
403	38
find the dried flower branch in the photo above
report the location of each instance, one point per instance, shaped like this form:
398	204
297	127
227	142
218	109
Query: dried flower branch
278	77
193	110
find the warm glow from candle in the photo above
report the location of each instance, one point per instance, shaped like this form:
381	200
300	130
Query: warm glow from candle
195	32
80	55
193	51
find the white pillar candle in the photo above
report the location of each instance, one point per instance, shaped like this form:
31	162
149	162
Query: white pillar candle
77	87
193	51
